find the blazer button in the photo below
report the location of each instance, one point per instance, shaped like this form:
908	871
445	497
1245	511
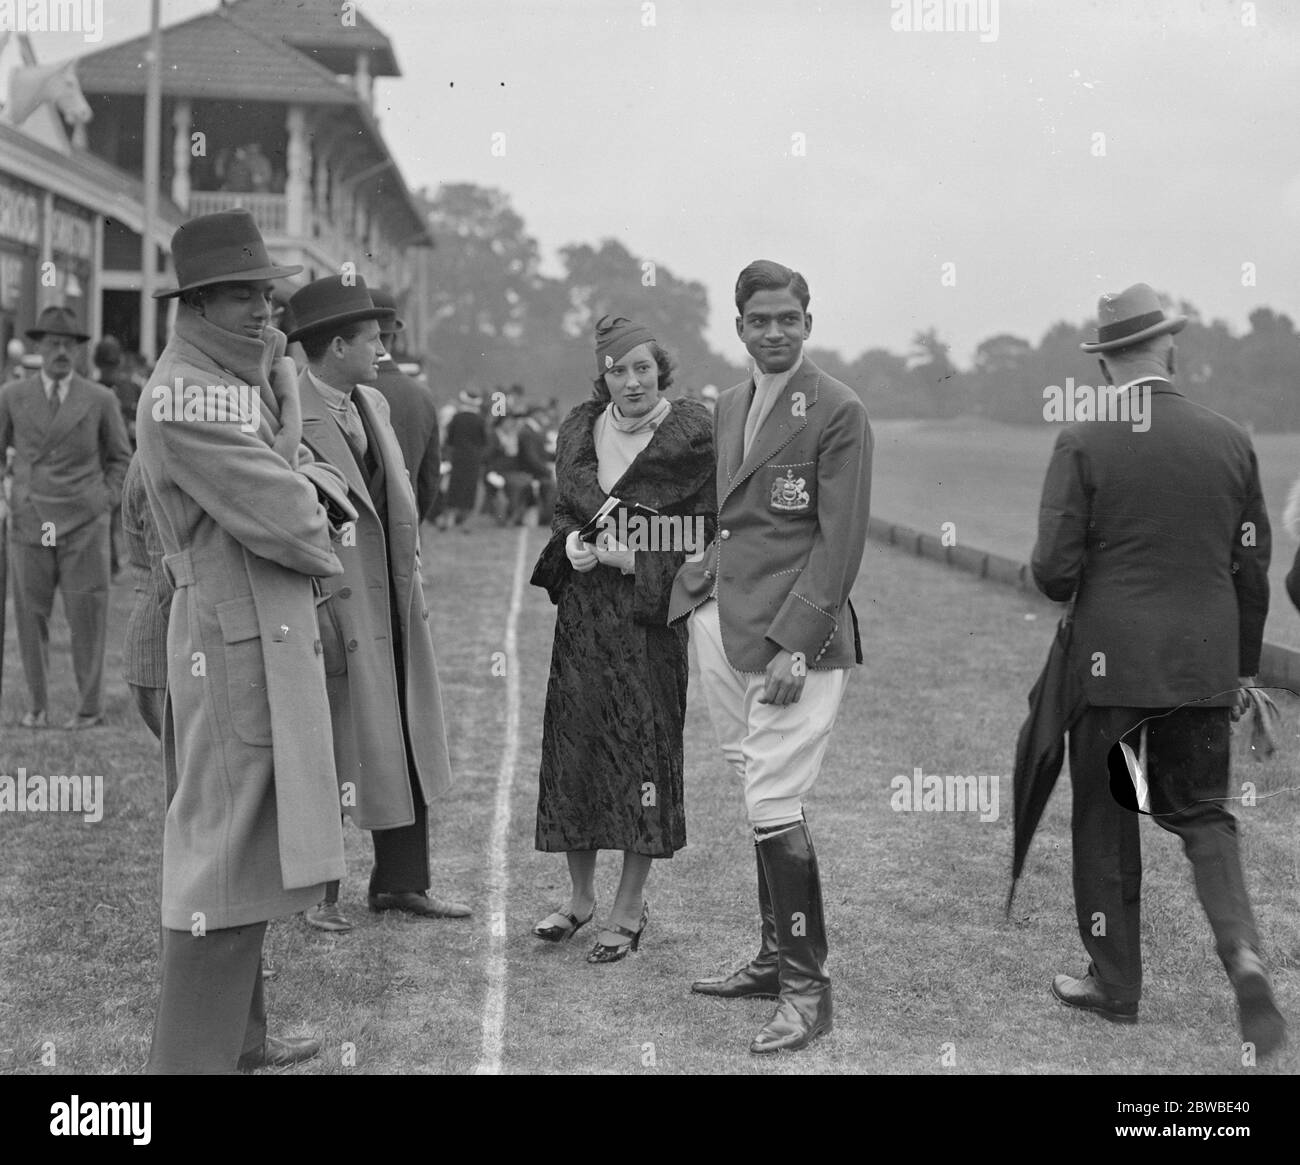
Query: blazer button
424	614
708	574
726	534
317	648
352	645
345	592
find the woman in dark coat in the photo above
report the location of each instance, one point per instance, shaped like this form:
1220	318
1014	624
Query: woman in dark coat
466	439
611	774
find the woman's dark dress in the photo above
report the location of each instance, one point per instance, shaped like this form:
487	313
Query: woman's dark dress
611	773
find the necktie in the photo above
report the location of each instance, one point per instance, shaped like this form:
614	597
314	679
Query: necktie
54	397
350	422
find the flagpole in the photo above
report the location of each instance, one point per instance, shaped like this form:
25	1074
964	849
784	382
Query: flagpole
152	147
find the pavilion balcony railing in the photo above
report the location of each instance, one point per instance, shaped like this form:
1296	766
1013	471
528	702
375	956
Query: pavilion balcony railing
269	211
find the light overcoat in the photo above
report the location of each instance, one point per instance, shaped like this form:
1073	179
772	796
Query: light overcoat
370	730
253	830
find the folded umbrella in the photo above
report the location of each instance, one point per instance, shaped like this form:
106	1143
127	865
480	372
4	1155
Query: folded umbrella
1056	702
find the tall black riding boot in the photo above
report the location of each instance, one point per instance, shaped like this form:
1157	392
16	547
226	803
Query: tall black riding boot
758	979
804	1010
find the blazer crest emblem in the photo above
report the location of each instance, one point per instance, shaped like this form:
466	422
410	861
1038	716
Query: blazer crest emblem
788	493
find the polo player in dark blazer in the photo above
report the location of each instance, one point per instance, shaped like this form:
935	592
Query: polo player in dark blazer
774	630
71	454
1155	523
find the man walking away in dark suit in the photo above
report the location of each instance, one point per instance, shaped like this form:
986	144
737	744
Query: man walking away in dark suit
1153	519
71	455
390	746
413	412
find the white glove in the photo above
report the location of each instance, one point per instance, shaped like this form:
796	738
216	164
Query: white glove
581	556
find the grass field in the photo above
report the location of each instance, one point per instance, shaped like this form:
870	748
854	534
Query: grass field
987	478
929	976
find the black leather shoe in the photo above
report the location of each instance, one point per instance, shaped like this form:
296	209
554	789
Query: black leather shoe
796	1022
1087	995
794	882
1261	1022
279	1053
759	978
418	903
327	916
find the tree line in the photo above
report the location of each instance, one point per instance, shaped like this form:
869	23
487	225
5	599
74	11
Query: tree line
496	319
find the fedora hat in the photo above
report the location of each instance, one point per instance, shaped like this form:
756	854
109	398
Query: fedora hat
225	247
388	301
58	321
333	303
1129	317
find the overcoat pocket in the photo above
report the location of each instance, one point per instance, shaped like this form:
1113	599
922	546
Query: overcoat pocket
333	652
250	708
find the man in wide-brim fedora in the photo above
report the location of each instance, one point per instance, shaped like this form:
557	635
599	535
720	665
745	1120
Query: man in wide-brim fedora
390	746
252	830
1162	536
71	454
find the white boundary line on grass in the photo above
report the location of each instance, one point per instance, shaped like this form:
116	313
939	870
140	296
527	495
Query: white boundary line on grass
494	1004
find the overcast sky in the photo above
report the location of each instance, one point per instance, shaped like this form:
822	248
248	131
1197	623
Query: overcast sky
919	149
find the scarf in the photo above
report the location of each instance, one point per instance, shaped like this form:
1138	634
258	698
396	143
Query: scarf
260	362
768	387
619	439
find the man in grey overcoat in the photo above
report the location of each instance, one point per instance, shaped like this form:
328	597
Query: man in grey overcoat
252	831
390	746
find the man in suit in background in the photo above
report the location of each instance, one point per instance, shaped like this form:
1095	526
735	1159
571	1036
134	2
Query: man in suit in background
413	412
773	627
1156	524
71	454
536	462
390	746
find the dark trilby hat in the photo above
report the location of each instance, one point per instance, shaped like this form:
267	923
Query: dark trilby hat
386	300
58	321
225	247
1129	317
333	302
